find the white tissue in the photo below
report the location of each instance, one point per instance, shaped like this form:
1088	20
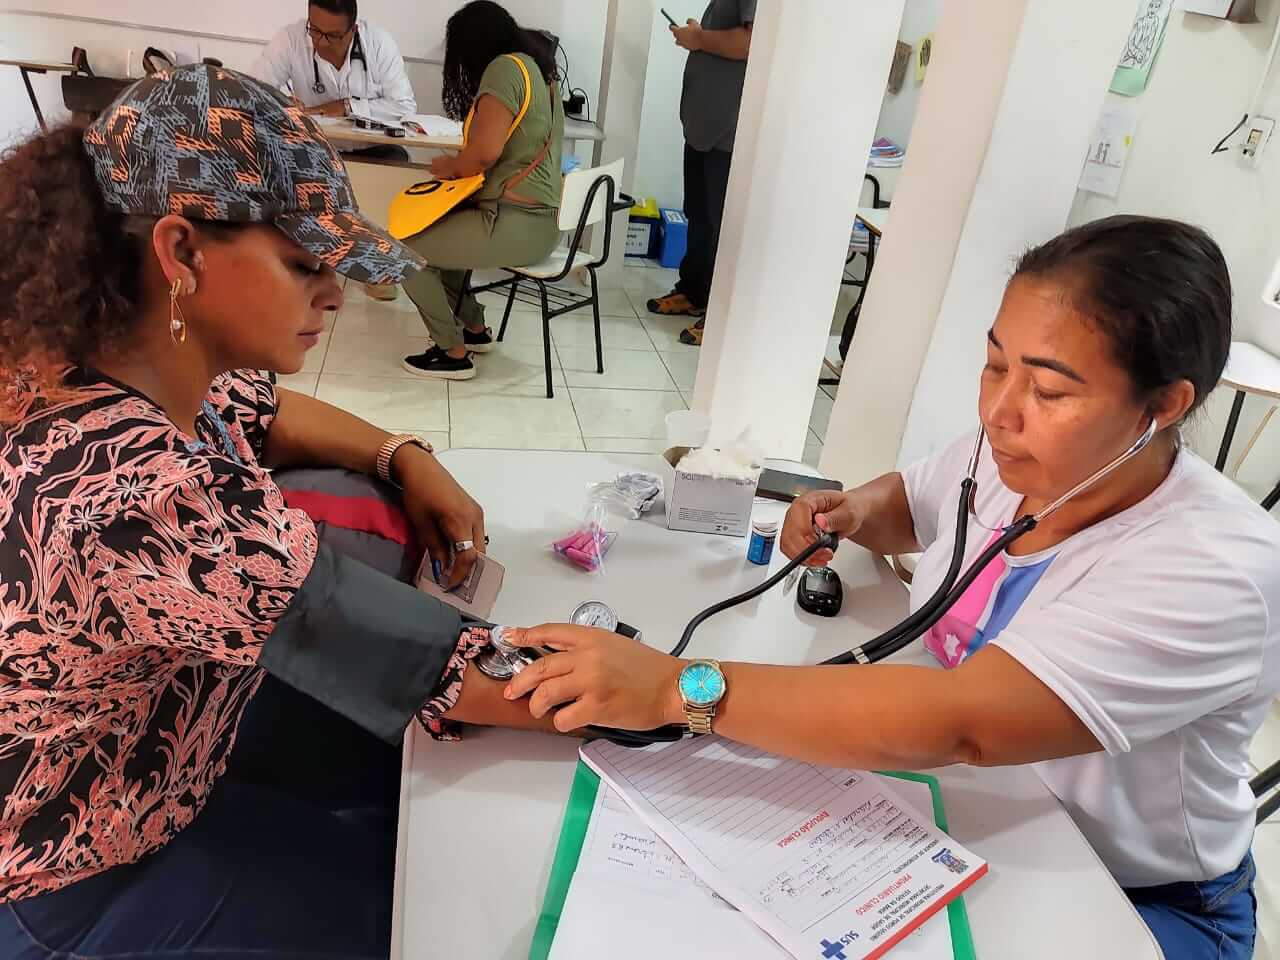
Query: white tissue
739	461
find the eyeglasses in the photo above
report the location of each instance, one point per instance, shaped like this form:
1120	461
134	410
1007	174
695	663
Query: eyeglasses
318	34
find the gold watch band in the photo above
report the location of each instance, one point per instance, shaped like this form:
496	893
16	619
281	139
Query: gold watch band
388	450
699	719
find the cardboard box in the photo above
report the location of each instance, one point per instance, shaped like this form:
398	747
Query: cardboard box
703	504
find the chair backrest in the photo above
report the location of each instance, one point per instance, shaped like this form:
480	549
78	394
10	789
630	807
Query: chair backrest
577	187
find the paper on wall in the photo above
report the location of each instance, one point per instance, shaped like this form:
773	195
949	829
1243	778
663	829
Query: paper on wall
1109	150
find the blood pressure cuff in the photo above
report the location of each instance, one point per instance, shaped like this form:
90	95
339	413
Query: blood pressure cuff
355	637
365	645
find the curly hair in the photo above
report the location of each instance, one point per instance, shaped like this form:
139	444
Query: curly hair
70	269
477	34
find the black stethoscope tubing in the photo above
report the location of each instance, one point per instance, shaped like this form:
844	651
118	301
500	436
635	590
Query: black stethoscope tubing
357	53
896	638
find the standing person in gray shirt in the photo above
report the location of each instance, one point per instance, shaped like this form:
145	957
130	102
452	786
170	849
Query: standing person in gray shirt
709	104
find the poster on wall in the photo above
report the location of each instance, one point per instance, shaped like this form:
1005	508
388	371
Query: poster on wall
1109	149
1239	11
1141	47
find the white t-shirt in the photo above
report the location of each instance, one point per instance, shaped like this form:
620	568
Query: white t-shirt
378	86
1158	627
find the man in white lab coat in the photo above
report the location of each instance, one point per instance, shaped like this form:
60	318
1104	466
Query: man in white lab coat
336	65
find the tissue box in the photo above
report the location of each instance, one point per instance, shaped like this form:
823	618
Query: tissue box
704	504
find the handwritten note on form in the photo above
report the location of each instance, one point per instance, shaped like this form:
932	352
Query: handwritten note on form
631	891
828	862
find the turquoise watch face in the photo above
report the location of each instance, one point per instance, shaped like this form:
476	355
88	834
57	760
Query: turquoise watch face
701	684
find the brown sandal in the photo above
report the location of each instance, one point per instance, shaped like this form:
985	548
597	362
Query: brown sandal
693	335
674	304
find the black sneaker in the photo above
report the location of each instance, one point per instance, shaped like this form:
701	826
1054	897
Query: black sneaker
478	341
437	364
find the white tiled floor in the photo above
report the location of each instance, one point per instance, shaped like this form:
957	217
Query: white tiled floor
648	373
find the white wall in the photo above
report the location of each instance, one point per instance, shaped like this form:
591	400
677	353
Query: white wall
1065	57
765	331
660	162
1200	86
579	23
898	112
660	167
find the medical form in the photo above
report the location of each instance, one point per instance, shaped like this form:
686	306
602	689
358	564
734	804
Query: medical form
631	890
830	863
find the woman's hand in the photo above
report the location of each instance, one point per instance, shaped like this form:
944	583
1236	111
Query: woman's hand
829	511
441	512
443	167
597	677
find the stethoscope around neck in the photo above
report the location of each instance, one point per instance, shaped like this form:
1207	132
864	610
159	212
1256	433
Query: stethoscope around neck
357	53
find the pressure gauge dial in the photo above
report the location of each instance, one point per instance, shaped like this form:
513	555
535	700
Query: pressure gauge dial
595	613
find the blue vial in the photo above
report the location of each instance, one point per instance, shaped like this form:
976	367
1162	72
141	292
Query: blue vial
764	533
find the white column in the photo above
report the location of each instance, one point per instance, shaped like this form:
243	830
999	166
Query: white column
623	70
815	80
1010	101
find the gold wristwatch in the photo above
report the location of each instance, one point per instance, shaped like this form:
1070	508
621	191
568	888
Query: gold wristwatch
702	686
382	464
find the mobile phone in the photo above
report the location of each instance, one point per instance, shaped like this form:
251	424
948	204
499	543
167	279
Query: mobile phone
777	485
668	16
475	595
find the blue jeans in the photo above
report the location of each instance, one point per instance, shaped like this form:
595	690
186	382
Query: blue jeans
293	858
1214	920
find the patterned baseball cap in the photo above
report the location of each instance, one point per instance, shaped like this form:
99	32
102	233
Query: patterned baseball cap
209	143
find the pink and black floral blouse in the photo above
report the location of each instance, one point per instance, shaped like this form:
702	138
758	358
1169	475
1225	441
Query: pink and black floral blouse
142	572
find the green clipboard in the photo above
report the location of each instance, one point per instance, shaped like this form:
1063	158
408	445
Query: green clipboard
573	833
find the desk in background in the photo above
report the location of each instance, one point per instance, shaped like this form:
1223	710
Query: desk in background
28	67
479	819
344	133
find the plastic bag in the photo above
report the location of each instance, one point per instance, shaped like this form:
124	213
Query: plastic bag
609	505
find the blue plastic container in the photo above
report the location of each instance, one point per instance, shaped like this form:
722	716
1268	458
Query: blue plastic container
675	237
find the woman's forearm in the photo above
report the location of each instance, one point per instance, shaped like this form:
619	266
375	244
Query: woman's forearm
879	718
482	703
311	433
886	526
990	711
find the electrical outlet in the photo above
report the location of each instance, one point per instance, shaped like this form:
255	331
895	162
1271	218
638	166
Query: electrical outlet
1257	134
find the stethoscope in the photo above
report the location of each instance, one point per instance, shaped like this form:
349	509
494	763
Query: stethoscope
949	591
357	53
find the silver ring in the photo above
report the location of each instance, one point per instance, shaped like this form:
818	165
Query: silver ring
462	546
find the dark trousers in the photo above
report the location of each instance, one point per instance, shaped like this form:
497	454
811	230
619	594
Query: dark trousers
292	857
706	178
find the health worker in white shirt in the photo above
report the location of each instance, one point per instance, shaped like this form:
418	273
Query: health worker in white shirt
1128	646
336	64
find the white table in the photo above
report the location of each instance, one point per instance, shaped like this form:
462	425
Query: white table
28	67
1250	369
479	820
344	132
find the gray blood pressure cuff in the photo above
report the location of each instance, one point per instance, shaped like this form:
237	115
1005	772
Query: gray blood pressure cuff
355	637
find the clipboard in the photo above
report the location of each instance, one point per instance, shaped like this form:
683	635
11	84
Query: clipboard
573	834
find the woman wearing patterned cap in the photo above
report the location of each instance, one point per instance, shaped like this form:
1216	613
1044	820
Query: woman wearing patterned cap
193	682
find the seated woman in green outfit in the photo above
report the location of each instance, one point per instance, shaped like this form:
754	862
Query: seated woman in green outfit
511	221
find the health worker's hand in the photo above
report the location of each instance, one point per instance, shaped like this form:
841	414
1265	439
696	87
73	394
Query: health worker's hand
597	677
830	511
